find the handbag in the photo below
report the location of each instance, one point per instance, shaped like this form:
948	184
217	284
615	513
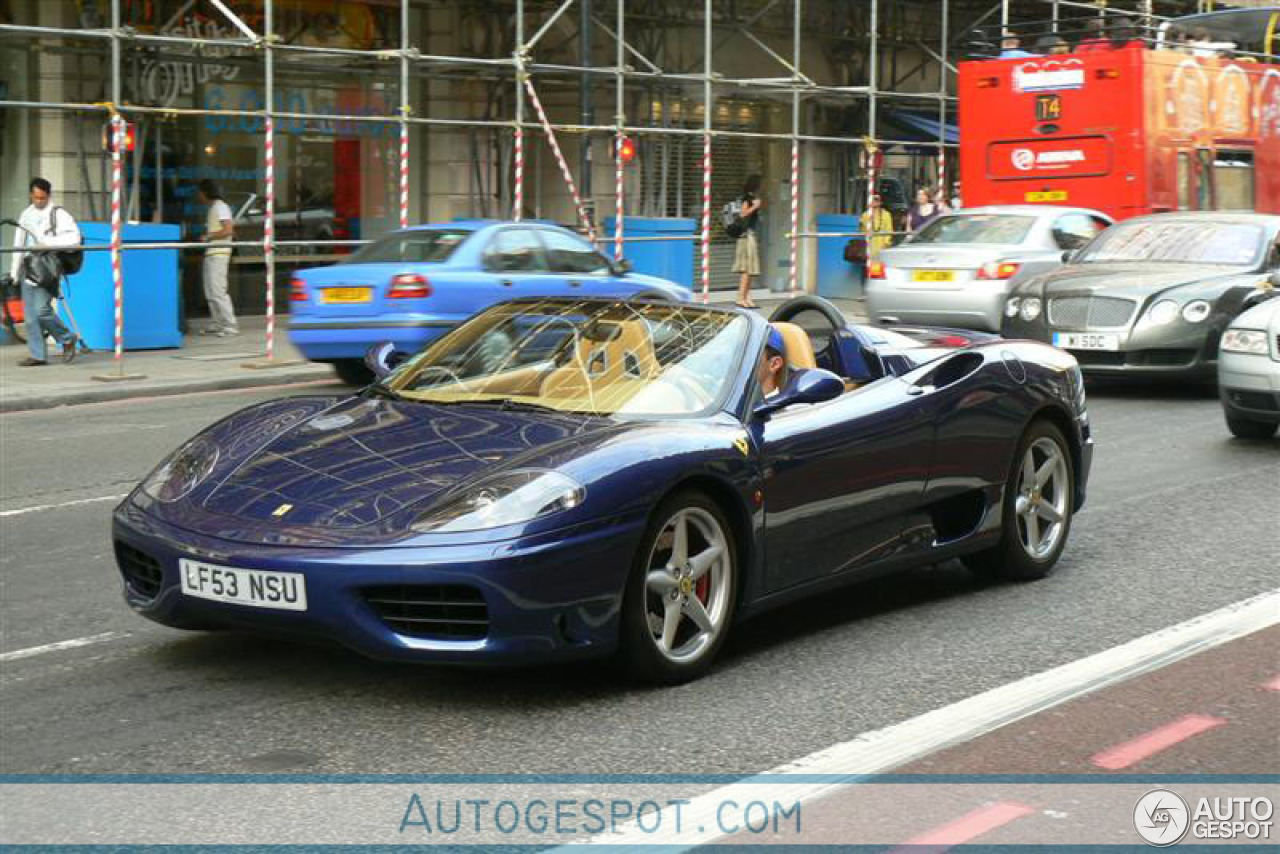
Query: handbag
855	251
69	260
43	269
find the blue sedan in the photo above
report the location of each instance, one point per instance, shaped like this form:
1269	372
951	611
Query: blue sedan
566	478
412	286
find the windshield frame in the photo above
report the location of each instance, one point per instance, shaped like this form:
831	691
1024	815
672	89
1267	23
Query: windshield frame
730	389
1119	230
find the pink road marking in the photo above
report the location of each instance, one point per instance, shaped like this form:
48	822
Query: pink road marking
968	826
1273	685
1131	752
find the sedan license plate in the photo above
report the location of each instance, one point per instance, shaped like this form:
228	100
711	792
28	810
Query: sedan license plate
932	275
286	591
1086	341
339	295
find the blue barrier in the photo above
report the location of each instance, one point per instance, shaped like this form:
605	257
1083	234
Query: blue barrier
666	259
837	278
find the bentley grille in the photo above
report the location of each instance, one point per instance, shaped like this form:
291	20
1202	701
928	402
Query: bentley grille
1091	312
432	611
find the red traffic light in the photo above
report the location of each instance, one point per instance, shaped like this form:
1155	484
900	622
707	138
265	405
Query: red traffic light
108	143
627	149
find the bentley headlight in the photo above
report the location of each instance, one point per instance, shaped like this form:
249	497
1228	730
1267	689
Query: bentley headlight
1245	341
185	469
1163	312
505	499
1195	311
1011	307
1030	308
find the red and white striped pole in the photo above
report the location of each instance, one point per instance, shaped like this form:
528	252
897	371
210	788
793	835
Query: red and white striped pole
795	212
706	218
564	165
517	212
117	229
619	179
940	198
269	234
404	174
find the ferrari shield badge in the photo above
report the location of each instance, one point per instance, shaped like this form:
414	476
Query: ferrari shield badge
281	510
741	444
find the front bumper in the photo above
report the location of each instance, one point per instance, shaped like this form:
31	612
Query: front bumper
1249	386
1174	350
325	340
549	598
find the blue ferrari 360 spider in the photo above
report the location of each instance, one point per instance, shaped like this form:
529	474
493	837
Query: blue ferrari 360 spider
561	478
412	286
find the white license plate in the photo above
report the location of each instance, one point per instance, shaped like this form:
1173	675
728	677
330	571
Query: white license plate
1086	341
256	588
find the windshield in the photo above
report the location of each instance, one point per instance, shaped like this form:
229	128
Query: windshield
423	245
598	358
1184	242
976	228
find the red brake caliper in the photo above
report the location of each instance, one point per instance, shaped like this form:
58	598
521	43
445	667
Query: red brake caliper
702	587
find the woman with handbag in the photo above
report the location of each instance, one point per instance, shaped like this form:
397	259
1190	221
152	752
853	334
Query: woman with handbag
40	273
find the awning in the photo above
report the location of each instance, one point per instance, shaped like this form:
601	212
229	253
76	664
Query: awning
917	127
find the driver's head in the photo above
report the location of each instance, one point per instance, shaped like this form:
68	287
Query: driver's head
772	369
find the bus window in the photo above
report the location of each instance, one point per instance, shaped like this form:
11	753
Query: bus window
1184	181
1204	179
1233	180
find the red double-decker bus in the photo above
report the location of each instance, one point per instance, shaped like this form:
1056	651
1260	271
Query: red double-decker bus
1148	127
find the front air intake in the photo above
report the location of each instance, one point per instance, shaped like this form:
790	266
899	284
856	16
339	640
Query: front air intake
431	611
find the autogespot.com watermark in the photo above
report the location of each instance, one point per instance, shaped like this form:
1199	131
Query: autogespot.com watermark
568	817
1163	818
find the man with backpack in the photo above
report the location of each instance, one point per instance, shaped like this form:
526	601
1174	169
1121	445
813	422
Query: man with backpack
40	273
741	218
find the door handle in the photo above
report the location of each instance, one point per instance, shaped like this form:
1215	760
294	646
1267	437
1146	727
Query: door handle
574	283
917	390
506	283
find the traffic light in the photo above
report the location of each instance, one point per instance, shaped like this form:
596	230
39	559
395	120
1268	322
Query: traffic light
627	149
129	137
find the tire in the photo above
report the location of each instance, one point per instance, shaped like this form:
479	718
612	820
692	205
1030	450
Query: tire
1028	549
669	650
1245	428
353	372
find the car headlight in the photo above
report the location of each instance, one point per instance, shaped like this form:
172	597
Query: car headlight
1030	309
185	469
505	499
1245	341
1196	311
1163	312
1011	307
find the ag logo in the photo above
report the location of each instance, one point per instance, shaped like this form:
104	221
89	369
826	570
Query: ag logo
1023	158
1161	817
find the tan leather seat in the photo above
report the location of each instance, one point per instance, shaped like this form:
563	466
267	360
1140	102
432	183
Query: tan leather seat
595	366
799	349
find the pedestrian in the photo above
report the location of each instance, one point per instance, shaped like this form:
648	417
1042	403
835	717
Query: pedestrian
746	256
1052	44
217	259
877	224
1095	37
956	202
42	224
924	211
1011	46
772	369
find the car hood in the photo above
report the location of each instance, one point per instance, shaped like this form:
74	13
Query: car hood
366	459
1128	279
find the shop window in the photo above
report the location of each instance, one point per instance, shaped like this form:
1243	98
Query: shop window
1233	179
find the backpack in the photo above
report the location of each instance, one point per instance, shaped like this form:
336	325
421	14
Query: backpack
71	260
731	215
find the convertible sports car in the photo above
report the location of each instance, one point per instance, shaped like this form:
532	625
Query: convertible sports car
412	286
1152	295
562	478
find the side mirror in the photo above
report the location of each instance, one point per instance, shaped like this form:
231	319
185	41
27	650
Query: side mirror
805	386
621	268
1067	255
378	358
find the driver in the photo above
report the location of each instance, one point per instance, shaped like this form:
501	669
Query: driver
772	370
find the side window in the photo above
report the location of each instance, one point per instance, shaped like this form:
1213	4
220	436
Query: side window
1184	181
514	250
1071	231
569	254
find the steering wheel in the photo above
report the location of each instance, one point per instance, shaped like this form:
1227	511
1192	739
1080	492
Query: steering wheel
693	392
809	302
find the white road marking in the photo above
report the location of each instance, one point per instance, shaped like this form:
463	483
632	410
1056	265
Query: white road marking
40	507
74	643
102	430
882	750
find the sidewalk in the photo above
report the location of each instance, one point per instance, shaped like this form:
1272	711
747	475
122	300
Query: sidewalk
203	363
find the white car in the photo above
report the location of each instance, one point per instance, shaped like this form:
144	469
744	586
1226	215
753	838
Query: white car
1249	371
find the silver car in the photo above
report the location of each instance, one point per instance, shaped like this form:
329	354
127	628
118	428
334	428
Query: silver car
1249	370
958	269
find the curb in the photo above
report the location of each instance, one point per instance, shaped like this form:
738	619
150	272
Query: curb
126	391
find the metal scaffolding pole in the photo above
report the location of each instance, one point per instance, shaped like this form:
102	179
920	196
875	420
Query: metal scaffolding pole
620	116
706	152
795	147
405	109
873	80
941	194
518	58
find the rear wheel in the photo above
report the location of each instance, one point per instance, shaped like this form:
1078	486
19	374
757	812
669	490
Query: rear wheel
1036	512
1245	428
680	596
353	372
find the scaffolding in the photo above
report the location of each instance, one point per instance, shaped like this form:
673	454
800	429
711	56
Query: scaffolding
525	73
